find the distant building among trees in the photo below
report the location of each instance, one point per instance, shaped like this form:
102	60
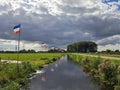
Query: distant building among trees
56	50
84	47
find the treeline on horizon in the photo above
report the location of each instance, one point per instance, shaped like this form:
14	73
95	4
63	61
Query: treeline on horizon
77	47
108	51
33	51
83	47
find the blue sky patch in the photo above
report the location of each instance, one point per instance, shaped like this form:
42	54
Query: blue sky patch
107	1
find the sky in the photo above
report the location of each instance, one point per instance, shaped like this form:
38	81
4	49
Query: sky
59	23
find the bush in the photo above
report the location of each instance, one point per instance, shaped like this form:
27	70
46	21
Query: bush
22	81
109	73
86	65
11	86
96	63
117	87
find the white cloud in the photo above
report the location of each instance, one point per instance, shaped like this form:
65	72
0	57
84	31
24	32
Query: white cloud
12	44
86	33
62	20
110	40
109	46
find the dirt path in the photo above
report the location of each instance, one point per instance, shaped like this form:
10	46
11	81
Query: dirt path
10	61
105	57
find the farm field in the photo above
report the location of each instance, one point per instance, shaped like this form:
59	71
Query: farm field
34	58
13	77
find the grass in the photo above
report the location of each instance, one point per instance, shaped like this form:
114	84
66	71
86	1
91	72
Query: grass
92	58
104	72
34	59
30	56
11	79
110	55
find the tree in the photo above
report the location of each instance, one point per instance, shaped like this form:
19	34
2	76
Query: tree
84	46
117	51
108	51
23	51
31	51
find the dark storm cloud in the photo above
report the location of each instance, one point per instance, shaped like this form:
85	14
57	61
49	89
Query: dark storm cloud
101	28
113	42
110	40
77	10
60	29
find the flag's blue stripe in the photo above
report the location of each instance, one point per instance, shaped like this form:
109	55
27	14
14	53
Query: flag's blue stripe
17	26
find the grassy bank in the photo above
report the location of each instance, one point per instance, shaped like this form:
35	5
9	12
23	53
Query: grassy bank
12	77
106	54
106	73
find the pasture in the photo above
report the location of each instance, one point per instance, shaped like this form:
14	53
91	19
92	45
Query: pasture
13	77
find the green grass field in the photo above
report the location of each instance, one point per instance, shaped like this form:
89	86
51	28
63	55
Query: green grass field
34	59
110	55
30	56
92	58
12	77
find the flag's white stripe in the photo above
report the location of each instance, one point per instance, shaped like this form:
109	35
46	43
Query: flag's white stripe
17	29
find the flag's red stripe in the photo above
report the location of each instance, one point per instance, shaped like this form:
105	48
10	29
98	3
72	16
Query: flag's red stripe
16	32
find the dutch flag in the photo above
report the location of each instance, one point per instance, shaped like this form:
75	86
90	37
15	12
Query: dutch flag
43	45
16	29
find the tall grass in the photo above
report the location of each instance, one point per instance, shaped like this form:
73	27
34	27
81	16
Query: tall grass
104	72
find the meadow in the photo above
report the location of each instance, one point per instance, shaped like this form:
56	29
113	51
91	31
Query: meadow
104	72
15	76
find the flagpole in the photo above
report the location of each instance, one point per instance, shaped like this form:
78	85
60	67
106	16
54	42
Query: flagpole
18	50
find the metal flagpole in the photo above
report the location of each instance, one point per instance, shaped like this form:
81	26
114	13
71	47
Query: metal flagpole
18	50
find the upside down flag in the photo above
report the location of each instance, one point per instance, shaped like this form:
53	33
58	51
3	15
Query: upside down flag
43	45
16	29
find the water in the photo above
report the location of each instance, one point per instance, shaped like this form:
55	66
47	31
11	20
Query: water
62	75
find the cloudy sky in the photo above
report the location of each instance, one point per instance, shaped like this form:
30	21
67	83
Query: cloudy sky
60	22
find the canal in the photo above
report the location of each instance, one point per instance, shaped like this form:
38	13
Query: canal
62	75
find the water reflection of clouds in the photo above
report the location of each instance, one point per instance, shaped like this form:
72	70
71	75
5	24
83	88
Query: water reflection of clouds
72	73
56	65
52	69
67	76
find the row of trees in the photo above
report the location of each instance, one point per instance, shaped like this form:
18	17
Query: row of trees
84	46
21	51
108	51
33	51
